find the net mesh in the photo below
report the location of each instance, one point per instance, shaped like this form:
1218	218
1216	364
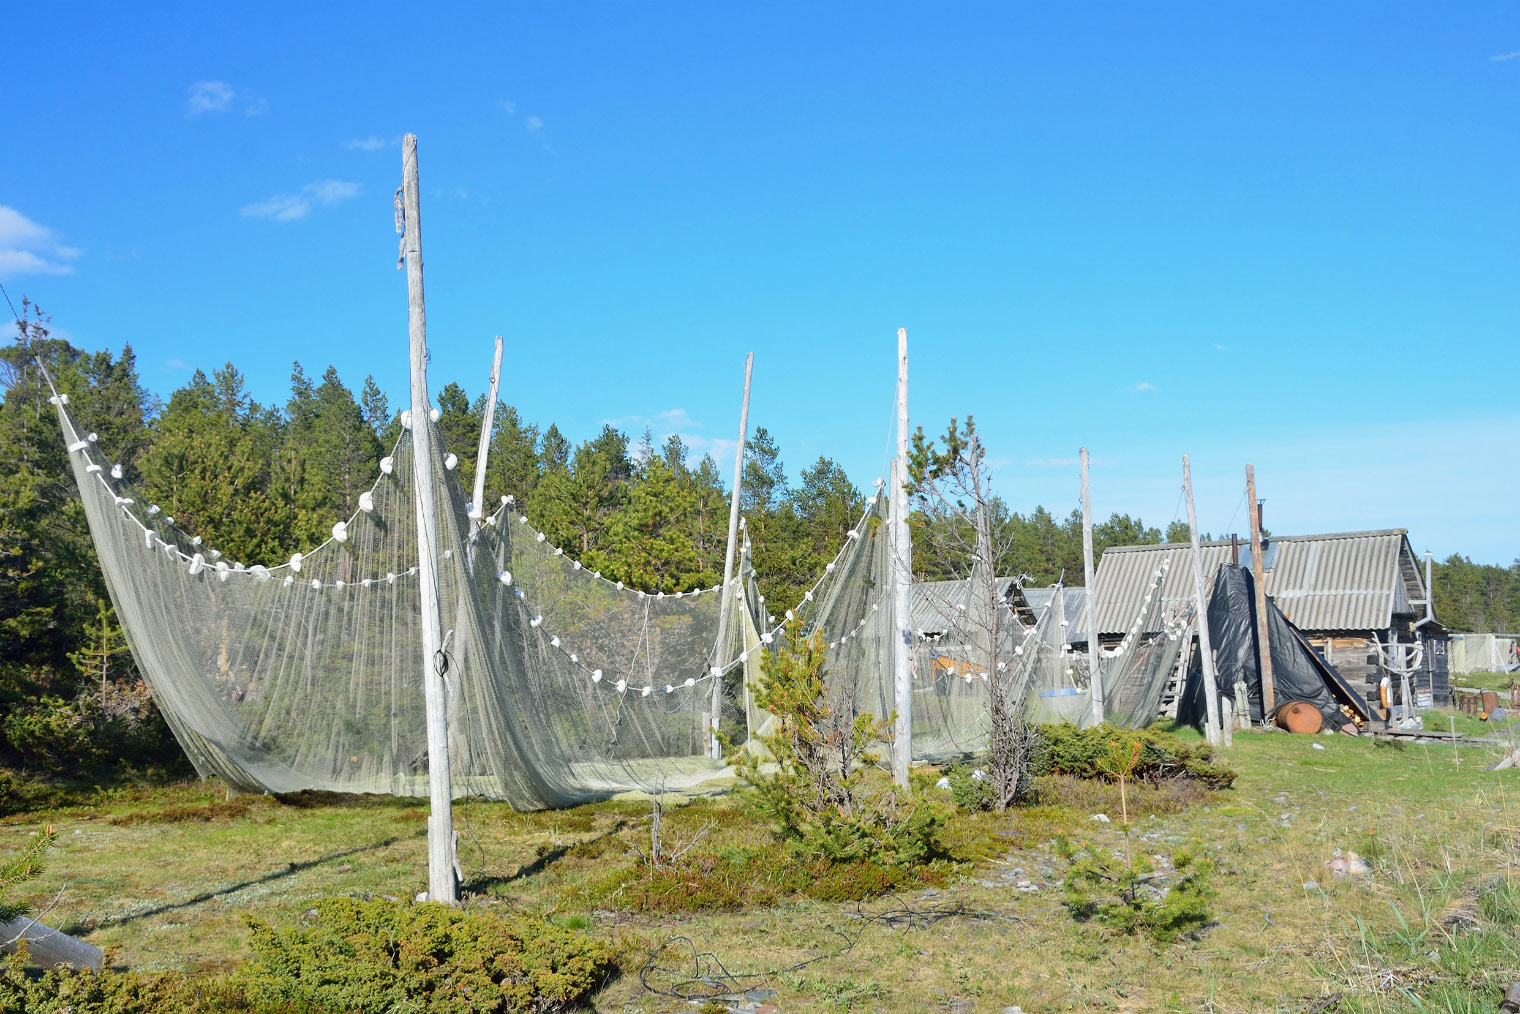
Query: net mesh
561	685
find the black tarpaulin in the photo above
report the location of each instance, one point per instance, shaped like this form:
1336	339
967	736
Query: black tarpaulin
1298	671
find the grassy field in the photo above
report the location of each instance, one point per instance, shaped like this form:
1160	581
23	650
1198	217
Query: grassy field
1499	681
162	877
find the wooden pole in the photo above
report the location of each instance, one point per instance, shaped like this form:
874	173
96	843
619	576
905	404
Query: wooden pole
727	602
902	576
1211	731
442	885
1268	690
48	947
1094	659
477	502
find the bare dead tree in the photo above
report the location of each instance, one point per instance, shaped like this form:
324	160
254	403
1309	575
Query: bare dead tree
958	528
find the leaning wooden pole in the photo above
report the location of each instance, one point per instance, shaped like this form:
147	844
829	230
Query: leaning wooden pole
442	884
1094	660
726	603
477	501
902	580
1264	646
1211	730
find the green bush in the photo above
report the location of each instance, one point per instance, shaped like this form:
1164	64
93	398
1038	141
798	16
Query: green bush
969	792
1118	891
823	792
382	956
26	991
1087	753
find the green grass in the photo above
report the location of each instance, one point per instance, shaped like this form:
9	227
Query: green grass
1500	681
161	878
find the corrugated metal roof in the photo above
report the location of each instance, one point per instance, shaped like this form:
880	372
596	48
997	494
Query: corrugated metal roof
937	604
1344	581
1075	603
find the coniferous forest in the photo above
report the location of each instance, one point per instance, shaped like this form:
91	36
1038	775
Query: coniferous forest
261	481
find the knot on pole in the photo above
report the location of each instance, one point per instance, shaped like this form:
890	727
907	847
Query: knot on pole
400	228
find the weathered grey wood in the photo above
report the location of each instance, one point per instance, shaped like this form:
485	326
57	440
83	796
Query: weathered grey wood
442	886
1211	730
902	575
1268	689
726	603
477	502
48	947
1094	662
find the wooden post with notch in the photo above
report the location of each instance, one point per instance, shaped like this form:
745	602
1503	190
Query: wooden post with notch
1264	646
477	501
1212	730
442	883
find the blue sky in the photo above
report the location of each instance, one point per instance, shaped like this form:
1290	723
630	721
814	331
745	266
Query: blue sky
1283	234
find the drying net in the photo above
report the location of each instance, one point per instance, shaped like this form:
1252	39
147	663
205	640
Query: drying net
1136	672
307	674
561	685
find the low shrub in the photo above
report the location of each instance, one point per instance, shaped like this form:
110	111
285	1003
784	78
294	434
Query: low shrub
27	991
1088	753
731	879
830	803
1121	893
228	809
378	955
970	788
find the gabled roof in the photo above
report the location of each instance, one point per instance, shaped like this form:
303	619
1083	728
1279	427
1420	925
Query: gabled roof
1342	581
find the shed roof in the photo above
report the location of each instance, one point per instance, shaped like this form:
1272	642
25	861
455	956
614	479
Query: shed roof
939	605
1343	581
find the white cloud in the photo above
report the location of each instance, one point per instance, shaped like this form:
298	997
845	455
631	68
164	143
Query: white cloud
219	97
1144	385
1221	348
508	105
534	123
1052	463
176	363
1505	56
289	207
210	97
29	248
372	143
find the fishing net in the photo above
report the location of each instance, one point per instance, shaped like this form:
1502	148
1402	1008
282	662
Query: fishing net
1137	672
562	685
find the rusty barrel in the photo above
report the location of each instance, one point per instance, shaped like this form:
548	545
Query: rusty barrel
1298	716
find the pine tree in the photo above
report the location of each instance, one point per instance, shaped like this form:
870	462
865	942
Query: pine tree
209	467
513	466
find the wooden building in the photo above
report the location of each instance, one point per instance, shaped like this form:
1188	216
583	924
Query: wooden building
1348	592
